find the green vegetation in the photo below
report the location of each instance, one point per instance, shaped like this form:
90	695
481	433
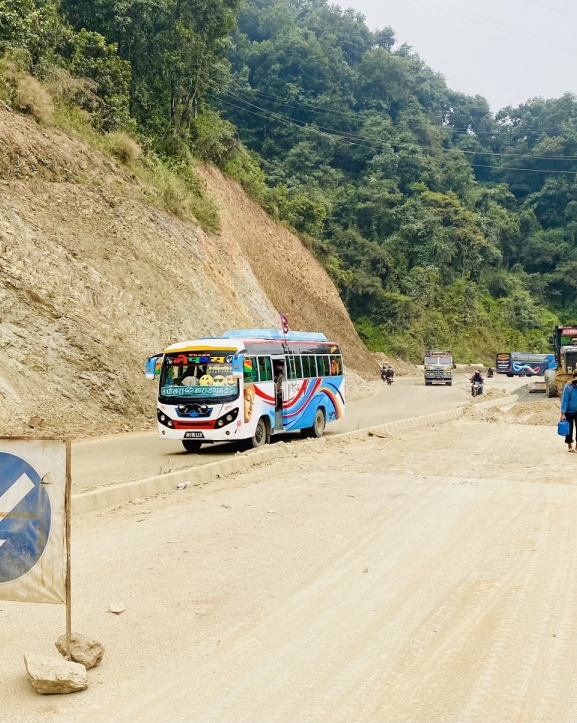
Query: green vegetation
441	224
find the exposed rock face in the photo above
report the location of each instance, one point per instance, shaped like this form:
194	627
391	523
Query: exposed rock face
54	675
83	650
93	279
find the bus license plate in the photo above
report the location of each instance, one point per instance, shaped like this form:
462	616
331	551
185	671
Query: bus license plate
193	435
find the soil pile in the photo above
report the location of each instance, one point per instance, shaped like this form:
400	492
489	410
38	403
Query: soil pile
541	413
489	394
93	279
402	368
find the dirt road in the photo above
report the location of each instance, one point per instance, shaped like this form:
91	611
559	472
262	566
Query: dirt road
127	457
426	578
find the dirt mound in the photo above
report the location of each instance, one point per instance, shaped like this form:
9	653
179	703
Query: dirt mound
402	368
93	280
359	388
489	394
541	413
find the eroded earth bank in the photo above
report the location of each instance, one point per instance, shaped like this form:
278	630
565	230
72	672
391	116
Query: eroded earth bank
94	278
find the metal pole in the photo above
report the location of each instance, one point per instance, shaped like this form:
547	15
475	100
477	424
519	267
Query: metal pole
67	511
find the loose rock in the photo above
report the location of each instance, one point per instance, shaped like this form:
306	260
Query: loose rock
117	608
50	676
83	650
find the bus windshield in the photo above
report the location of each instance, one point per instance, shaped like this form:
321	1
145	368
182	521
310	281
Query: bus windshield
198	375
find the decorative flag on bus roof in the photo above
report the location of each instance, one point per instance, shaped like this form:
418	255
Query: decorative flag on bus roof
284	324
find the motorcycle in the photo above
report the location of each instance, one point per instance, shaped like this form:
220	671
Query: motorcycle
389	380
490	373
476	389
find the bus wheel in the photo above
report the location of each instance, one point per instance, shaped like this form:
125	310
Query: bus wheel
260	436
318	428
191	445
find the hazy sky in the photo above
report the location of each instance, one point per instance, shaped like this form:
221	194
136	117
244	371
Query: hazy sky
506	50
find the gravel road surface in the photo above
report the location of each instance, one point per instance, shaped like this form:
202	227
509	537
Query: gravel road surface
126	457
429	577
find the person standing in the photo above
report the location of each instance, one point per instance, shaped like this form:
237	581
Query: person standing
569	410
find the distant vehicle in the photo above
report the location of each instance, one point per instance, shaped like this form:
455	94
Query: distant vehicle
438	367
524	364
564	341
247	385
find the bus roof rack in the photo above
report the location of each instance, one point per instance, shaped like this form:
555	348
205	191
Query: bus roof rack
274	334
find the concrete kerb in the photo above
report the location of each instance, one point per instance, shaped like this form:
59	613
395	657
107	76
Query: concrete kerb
115	495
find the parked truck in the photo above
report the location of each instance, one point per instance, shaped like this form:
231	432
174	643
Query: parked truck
564	342
438	367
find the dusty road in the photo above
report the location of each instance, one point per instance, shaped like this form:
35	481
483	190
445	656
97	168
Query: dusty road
127	457
430	577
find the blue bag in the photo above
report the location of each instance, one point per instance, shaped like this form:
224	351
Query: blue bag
563	428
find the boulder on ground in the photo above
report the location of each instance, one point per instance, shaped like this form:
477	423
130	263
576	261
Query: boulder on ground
54	675
83	650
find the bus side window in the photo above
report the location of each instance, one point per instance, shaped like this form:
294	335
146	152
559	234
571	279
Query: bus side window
336	366
298	367
323	366
291	367
250	369
309	366
265	369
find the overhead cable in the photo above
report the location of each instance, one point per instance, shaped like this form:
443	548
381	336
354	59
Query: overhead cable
364	140
495	25
321	109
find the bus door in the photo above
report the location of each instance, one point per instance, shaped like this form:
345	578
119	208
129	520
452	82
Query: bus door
279	374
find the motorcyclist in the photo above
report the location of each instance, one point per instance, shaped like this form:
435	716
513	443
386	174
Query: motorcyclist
383	373
490	372
477	378
389	372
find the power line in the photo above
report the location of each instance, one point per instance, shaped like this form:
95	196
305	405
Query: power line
493	24
557	10
524	170
298	104
305	126
376	148
361	140
320	109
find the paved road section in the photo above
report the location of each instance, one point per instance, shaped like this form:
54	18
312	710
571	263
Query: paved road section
128	457
429	577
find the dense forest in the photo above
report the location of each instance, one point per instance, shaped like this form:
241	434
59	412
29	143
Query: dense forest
440	223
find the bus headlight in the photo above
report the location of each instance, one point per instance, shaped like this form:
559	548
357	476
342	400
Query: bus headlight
227	418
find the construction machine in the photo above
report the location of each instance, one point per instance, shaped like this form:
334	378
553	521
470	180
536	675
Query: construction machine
564	342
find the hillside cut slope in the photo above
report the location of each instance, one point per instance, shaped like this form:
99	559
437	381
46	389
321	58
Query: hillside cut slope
93	279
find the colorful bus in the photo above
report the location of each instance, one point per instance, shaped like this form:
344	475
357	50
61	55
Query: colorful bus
247	385
523	364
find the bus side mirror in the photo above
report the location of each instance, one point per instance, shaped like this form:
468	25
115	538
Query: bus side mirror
152	367
237	370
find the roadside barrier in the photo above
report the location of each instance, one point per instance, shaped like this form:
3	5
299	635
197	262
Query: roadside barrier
115	495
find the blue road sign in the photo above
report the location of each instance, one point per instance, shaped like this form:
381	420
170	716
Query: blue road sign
25	517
